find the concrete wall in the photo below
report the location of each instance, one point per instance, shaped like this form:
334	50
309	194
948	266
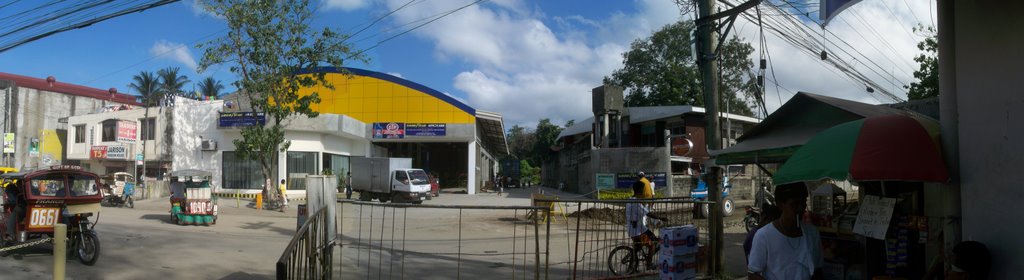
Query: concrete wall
623	160
35	114
990	105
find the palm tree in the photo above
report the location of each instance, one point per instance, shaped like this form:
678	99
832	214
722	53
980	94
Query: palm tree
170	83
148	86
210	87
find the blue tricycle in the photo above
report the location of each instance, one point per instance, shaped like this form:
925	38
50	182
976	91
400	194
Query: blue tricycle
700	193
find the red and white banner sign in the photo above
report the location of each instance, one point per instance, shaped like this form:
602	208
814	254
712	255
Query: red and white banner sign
98	152
126	131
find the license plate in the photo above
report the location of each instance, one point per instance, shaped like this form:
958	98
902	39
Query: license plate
423	198
43	217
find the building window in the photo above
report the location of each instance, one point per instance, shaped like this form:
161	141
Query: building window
239	173
301	163
147	130
338	164
80	133
109	131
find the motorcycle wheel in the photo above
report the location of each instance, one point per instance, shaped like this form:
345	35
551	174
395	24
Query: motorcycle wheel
750	222
88	248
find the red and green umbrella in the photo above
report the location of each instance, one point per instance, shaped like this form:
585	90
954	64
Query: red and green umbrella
884	148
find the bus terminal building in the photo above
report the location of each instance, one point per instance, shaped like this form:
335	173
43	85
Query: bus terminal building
366	114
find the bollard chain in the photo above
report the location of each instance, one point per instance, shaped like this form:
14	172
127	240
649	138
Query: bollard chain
26	245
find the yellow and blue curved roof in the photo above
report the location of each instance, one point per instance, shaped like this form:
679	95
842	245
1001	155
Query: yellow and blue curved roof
371	97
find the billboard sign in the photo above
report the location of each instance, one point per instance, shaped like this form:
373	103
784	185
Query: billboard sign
626	180
241	119
605	181
425	129
389	130
126	131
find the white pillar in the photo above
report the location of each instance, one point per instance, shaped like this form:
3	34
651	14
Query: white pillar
471	168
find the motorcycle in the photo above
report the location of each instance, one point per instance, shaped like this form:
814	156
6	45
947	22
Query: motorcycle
753	213
82	239
119	197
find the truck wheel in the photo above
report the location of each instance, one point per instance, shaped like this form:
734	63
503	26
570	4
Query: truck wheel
727	207
365	196
383	198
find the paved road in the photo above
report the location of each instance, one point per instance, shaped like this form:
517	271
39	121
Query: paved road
140	243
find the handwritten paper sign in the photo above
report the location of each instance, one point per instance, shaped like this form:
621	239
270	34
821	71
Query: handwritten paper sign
874	216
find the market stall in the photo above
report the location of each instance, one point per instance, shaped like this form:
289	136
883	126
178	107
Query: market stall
884	231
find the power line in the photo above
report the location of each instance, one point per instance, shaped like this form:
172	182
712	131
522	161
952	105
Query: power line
416	27
138	8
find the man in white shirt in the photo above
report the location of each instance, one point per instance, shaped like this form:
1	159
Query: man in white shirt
636	226
787	248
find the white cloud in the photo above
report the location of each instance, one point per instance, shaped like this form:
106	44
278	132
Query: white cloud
346	5
174	51
877	33
198	8
521	67
526	70
396	74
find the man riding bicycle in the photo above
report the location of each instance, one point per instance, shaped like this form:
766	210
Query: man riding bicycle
636	224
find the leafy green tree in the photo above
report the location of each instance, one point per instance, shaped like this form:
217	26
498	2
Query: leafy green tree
529	173
927	75
148	86
210	87
269	44
546	134
661	70
520	142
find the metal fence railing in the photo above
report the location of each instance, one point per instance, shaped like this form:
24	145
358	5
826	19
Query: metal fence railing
592	228
310	253
408	241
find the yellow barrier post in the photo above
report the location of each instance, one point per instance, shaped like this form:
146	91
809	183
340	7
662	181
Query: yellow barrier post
60	238
238	201
259	201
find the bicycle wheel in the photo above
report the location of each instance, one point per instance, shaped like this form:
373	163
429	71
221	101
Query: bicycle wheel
622	260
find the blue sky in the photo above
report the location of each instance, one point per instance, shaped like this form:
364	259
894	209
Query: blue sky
525	59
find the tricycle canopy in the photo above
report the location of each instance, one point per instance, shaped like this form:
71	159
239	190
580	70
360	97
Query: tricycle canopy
60	182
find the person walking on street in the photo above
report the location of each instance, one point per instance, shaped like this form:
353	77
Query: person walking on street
348	185
787	248
284	197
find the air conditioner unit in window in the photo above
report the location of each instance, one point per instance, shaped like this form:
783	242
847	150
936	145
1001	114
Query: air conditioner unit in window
208	145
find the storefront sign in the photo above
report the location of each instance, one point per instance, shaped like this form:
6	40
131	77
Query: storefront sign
873	218
126	131
240	119
626	180
8	143
98	152
117	152
605	181
425	129
108	152
391	130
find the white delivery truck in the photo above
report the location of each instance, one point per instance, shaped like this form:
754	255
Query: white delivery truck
387	179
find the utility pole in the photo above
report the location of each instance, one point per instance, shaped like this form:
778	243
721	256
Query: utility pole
707	40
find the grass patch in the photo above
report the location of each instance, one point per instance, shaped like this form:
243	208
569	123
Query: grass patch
622	194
